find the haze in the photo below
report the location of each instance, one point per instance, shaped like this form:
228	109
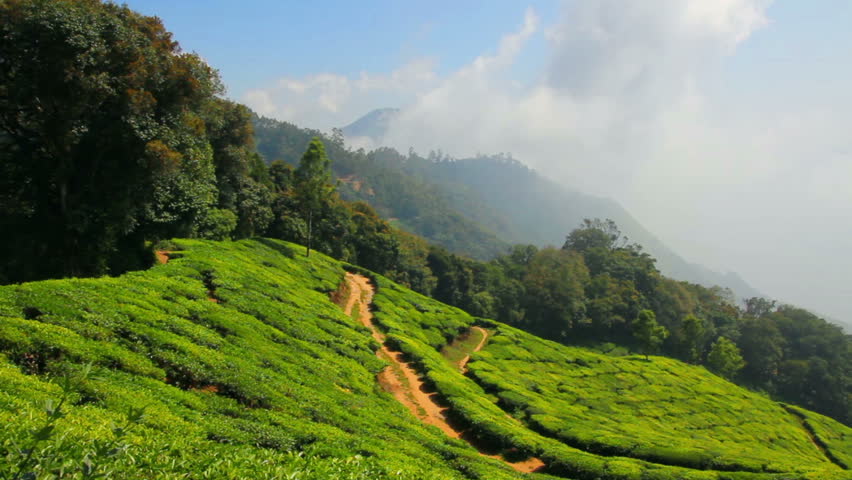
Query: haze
721	125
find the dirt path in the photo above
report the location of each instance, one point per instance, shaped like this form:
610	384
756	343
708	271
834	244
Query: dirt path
162	256
463	361
402	380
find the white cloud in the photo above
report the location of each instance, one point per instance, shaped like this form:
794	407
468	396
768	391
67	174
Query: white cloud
261	101
329	100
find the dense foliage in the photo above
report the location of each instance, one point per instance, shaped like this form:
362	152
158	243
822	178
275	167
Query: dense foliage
600	290
415	205
451	202
111	136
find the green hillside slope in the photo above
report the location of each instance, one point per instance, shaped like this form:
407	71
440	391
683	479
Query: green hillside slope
683	415
271	381
592	416
536	210
246	369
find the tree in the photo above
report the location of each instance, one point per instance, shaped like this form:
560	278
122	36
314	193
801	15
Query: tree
242	177
692	329
648	333
724	358
376	247
758	307
454	277
595	233
101	141
312	184
763	349
554	299
610	303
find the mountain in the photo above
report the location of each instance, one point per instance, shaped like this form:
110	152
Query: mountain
247	359
373	125
532	209
412	203
542	212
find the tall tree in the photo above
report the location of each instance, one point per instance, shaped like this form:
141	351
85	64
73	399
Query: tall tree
595	233
758	307
101	143
724	358
554	297
373	240
763	349
312	185
692	330
241	175
648	333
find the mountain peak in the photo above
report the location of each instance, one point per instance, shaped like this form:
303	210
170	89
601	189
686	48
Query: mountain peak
373	125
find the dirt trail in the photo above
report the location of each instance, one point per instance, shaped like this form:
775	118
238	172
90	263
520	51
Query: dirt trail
162	256
402	380
463	361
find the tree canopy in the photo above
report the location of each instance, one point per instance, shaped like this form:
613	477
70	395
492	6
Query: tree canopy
103	137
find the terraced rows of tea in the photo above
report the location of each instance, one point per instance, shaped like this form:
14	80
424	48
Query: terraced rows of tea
270	381
246	369
680	414
594	416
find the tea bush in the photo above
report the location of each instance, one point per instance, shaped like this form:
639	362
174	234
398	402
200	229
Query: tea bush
271	381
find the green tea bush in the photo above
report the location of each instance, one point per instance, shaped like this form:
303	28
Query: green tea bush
273	381
594	416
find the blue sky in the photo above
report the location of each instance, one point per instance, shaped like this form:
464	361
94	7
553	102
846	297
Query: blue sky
722	125
255	42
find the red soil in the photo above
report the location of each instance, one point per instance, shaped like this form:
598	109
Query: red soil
162	256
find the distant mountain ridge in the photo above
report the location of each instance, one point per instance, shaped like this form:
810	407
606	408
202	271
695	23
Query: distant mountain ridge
536	210
414	204
373	125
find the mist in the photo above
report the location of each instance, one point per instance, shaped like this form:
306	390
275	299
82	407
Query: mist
739	166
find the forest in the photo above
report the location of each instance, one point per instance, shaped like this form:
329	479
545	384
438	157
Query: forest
113	140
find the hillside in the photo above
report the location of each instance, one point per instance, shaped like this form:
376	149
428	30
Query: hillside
541	212
247	369
244	366
530	208
414	204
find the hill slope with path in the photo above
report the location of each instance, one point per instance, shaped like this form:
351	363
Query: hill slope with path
405	384
274	380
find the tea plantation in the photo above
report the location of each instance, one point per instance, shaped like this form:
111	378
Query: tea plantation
592	416
681	414
230	361
270	381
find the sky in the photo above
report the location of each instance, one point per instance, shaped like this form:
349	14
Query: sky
721	125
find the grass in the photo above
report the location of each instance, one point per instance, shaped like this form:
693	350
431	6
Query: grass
275	381
462	346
